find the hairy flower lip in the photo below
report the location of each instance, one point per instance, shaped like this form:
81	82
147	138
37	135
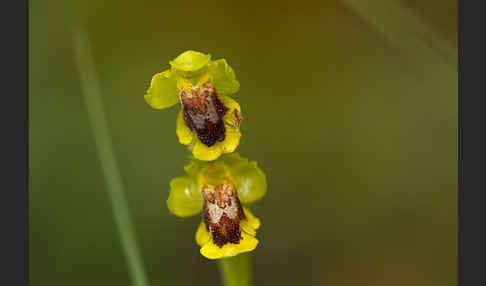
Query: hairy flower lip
227	230
222	213
247	242
232	133
203	113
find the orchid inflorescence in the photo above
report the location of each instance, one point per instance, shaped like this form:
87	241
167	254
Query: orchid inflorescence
219	183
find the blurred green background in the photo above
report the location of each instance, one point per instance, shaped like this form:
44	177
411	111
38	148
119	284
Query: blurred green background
350	108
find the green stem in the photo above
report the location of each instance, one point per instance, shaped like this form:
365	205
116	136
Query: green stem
94	105
236	270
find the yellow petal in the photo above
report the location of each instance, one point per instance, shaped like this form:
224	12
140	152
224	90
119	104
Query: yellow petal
212	251
232	139
233	114
205	153
228	145
246	227
183	132
229	102
251	220
202	235
250	224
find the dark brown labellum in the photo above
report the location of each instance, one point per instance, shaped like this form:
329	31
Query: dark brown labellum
222	213
203	113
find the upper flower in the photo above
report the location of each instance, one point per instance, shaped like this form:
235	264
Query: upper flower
209	121
218	189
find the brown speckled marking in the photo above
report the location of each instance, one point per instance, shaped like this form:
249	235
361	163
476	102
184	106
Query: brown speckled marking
238	118
222	213
203	113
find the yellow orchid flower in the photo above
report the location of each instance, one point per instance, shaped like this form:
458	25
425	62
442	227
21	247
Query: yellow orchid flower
220	189
209	120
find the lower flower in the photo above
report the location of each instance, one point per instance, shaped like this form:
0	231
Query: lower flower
228	229
220	189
